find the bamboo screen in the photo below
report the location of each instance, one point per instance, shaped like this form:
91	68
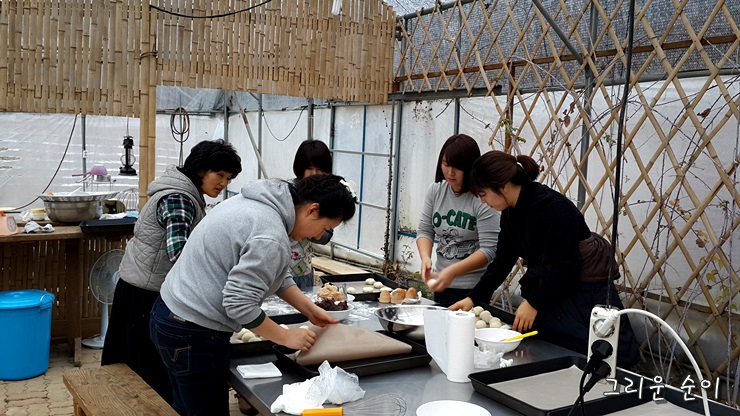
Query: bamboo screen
85	56
680	192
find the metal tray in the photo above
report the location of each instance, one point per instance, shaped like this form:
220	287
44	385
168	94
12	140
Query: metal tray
123	225
601	406
358	282
239	349
416	358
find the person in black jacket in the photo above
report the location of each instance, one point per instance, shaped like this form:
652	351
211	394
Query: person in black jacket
548	232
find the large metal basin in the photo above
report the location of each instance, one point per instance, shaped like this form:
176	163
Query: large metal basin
407	320
75	208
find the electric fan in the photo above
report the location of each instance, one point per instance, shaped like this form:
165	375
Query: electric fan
103	279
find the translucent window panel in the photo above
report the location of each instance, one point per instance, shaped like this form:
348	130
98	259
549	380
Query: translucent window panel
372	227
375	180
425	127
346	233
378	129
349	123
350	167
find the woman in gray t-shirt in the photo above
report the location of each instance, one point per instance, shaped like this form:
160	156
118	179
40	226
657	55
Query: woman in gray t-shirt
466	230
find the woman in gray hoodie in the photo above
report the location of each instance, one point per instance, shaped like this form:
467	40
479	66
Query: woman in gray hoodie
231	264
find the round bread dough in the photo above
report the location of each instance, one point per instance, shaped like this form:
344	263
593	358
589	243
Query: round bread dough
241	333
370	281
493	323
477	310
367	289
351	290
303	327
248	336
256	339
283	326
378	285
486	316
505	326
480	324
431	283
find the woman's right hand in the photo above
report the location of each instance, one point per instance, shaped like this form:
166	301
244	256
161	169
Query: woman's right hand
464	305
426	269
298	339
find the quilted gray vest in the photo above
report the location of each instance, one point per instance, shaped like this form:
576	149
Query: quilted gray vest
146	263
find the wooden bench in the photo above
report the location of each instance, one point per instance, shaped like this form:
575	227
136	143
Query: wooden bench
113	390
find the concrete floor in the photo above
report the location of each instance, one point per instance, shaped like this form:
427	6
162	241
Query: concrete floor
47	395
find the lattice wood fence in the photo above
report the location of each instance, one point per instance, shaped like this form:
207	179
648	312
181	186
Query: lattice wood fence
680	193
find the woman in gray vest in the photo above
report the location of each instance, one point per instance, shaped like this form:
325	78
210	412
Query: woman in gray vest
175	206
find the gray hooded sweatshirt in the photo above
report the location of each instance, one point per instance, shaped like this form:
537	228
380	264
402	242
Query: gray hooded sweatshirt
146	262
238	256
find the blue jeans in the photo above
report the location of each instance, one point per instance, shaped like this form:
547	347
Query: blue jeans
197	361
305	283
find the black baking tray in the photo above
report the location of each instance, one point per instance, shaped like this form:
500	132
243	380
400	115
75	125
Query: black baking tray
416	358
358	282
245	348
123	225
601	406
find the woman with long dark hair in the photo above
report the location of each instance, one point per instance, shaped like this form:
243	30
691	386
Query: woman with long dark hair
566	265
465	229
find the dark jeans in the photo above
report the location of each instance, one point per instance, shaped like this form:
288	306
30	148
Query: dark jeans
305	283
197	361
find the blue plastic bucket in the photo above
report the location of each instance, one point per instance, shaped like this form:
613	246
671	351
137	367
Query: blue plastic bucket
25	333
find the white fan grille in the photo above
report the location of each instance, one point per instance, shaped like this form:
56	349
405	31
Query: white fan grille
104	275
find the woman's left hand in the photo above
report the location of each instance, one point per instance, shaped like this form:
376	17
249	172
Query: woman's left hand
525	315
320	317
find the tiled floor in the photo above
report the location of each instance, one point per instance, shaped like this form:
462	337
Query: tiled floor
46	394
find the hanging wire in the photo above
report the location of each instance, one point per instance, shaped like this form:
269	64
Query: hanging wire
180	127
213	16
58	167
291	130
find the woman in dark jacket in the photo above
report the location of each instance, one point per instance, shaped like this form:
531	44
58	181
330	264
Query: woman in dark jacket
548	232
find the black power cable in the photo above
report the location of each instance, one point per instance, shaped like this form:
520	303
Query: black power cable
183	130
212	16
600	350
620	133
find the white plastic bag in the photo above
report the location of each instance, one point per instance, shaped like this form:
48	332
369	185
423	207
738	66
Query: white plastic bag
332	384
487	359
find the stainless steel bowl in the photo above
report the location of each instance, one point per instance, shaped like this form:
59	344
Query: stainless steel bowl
75	208
407	320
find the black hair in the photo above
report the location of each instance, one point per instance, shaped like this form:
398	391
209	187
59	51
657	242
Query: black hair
496	168
460	151
335	199
311	153
211	155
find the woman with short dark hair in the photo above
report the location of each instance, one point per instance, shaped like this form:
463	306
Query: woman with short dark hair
175	206
233	261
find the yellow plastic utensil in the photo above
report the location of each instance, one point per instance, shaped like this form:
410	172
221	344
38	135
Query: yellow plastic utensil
520	336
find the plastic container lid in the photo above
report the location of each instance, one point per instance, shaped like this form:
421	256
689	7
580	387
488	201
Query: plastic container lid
21	299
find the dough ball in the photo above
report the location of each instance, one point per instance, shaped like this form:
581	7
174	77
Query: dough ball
351	290
505	326
493	323
485	315
303	327
378	285
477	310
367	289
370	281
494	319
241	333
432	283
256	339
480	324
248	337
284	326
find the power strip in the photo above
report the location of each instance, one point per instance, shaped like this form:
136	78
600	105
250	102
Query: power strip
600	316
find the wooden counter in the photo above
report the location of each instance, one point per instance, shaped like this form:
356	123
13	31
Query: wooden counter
59	263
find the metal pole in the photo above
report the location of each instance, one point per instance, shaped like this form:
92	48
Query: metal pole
84	146
396	162
227	100
457	115
259	128
309	135
587	96
556	28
